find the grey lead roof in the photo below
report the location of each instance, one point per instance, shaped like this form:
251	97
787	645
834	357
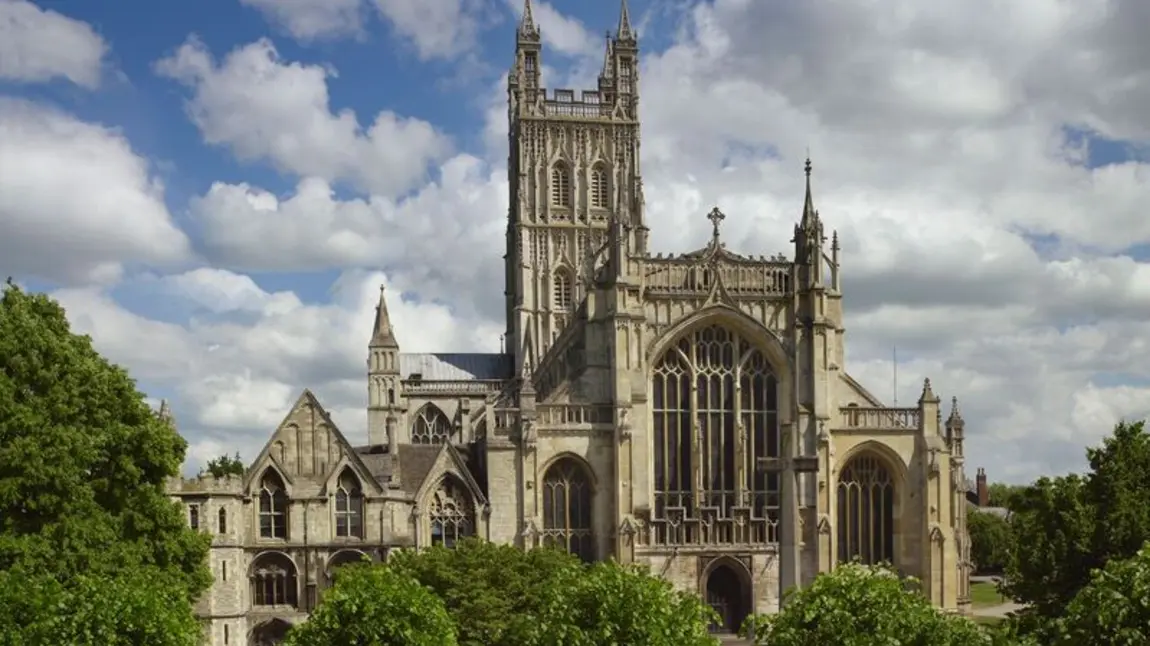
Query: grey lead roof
435	366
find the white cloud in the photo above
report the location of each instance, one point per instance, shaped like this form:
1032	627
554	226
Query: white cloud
308	20
437	28
76	202
264	108
562	33
39	45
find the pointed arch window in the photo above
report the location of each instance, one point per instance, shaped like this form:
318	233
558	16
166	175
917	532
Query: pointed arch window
194	516
431	426
695	403
451	514
866	511
348	506
563	291
222	521
274	581
560	185
567	509
598	187
273	506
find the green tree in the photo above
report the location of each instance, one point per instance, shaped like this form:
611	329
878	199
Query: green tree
83	465
990	540
1003	495
374	605
224	466
495	594
1112	609
856	605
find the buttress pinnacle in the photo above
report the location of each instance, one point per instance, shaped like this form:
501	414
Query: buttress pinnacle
809	213
625	32
527	28
382	336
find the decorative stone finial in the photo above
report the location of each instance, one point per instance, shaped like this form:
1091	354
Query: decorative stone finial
716	217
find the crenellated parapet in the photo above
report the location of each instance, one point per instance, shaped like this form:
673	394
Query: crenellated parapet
206	486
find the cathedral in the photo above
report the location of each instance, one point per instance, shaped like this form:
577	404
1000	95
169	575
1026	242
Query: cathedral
688	412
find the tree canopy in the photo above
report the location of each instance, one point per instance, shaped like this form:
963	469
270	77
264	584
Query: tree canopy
224	466
372	605
83	465
990	540
1111	610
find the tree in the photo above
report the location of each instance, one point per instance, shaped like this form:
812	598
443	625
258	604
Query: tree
856	605
495	594
83	466
1112	609
1003	495
224	466
374	605
990	540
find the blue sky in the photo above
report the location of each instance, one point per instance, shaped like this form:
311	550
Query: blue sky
216	190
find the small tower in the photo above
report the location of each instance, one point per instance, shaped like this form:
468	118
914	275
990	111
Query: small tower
955	427
809	239
528	48
384	390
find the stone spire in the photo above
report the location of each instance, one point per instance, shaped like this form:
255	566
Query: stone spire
165	412
527	27
382	334
955	420
625	33
608	61
810	215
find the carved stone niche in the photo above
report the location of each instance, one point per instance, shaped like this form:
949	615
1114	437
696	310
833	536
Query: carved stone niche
623	422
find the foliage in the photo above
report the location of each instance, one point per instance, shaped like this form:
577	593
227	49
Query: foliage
374	605
142	606
1004	495
1112	609
224	466
856	605
990	540
83	466
496	594
616	604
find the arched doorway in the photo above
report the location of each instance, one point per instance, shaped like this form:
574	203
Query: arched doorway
866	511
727	595
269	633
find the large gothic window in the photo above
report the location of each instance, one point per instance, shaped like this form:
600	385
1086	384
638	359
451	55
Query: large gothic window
866	511
274	581
348	506
715	413
560	185
273	506
451	514
562	291
598	187
567	509
269	633
431	426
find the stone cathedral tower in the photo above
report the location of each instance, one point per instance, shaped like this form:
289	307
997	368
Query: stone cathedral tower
690	412
573	169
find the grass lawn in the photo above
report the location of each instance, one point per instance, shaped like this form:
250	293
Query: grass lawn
983	594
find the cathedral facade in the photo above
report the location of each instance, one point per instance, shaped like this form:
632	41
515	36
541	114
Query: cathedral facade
688	412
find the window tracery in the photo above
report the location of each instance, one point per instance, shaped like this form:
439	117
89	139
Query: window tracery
567	509
598	187
451	514
274	581
348	506
866	511
273	507
560	185
563	291
715	414
431	426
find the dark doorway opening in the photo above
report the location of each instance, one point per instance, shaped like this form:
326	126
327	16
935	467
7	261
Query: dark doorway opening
726	594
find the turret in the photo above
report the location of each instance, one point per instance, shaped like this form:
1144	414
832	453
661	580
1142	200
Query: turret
955	429
528	47
384	391
809	239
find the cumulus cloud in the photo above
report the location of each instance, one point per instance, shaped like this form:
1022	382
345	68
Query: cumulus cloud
77	204
39	45
263	108
308	20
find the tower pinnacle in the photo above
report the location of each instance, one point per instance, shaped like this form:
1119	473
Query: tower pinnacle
382	335
527	28
809	213
625	32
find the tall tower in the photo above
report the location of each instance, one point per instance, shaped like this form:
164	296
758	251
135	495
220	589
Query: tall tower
573	168
384	387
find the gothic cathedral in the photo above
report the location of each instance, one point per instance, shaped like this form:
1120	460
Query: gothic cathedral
688	412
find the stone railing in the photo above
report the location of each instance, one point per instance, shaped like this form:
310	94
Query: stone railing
880	419
551	415
463	386
680	277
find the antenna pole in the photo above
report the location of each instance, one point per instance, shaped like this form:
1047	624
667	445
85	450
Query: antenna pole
894	369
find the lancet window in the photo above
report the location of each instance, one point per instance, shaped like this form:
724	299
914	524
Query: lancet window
562	291
567	509
273	506
348	506
560	185
451	514
715	413
431	426
598	187
274	581
866	496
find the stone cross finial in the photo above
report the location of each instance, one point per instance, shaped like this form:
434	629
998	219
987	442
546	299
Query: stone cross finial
716	217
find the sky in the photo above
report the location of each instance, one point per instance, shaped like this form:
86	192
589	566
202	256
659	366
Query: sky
216	190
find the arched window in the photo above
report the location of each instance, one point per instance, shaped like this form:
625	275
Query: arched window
222	521
562	291
431	426
567	509
560	185
695	402
273	506
866	511
598	187
451	514
348	506
342	558
194	516
274	581
270	633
